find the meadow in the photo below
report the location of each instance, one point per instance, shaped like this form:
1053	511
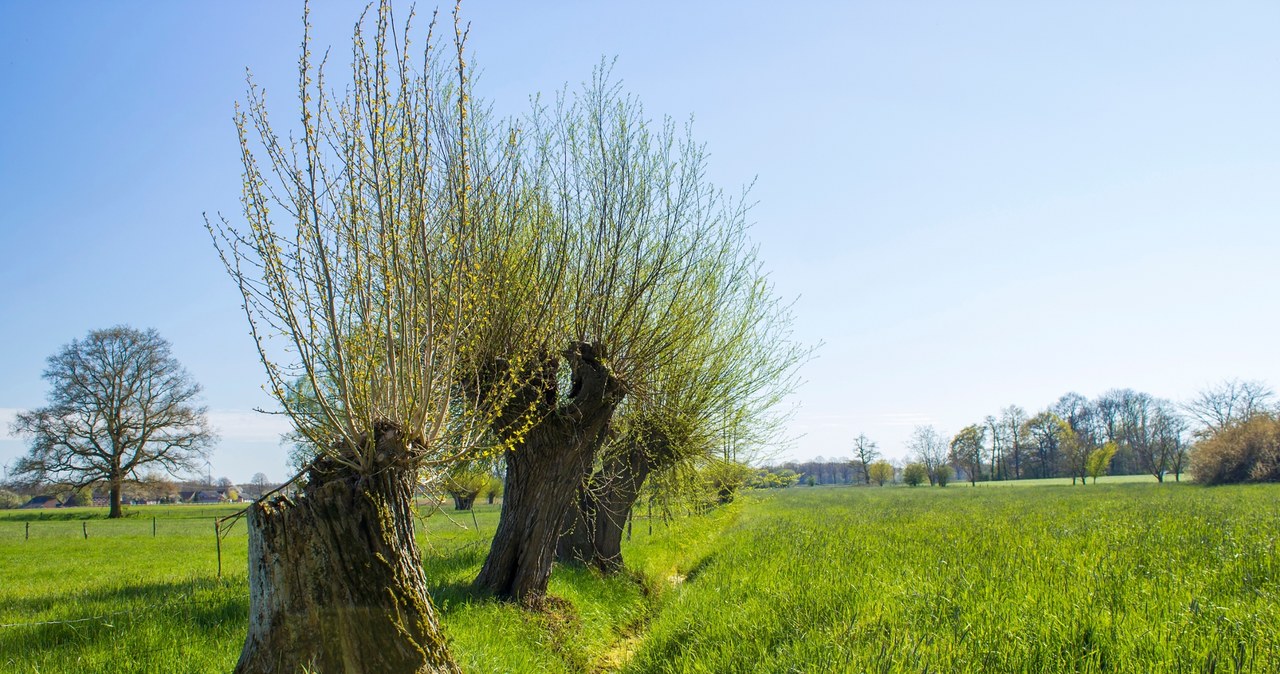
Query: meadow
1122	577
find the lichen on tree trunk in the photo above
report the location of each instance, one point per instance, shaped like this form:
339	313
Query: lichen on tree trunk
335	577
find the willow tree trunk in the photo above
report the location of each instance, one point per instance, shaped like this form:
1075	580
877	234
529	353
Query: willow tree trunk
335	578
463	500
592	531
545	468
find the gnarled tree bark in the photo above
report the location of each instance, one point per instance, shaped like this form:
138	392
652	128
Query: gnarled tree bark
548	463
592	531
335	577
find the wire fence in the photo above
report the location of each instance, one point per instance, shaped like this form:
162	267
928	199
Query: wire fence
129	527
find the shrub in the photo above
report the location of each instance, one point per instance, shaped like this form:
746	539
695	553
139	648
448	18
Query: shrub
915	474
1246	452
943	475
9	500
881	472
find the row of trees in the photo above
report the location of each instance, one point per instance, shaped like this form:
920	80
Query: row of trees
1121	431
432	289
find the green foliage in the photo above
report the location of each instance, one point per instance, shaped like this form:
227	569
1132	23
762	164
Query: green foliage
725	479
915	474
881	472
1244	452
465	481
773	478
966	450
942	475
1100	460
493	488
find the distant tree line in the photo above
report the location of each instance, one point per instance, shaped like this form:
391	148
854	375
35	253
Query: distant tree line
1229	432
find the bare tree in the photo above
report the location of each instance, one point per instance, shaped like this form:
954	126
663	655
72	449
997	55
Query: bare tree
1217	407
995	456
1153	431
259	483
1046	431
865	451
119	403
930	448
1013	421
1108	414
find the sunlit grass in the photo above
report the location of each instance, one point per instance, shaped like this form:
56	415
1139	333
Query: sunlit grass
1127	577
1123	578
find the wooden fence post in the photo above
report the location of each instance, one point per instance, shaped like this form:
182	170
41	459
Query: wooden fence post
217	537
28	536
153	527
84	526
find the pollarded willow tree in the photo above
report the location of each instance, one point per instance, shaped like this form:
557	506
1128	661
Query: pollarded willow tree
368	263
634	227
719	392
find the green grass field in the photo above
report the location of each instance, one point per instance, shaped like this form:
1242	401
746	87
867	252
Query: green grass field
1122	577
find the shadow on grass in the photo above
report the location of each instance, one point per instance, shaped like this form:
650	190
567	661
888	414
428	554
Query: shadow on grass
198	608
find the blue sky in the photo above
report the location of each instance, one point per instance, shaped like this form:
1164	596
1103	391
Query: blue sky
975	204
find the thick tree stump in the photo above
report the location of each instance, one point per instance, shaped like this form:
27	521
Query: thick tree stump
335	578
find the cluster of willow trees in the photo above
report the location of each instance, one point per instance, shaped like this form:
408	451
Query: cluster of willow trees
430	288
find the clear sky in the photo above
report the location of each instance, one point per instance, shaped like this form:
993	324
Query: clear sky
975	204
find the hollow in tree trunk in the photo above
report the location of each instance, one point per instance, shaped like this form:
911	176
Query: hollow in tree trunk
593	529
335	578
544	470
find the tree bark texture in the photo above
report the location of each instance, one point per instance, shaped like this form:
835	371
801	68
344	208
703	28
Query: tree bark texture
114	495
593	529
545	468
335	578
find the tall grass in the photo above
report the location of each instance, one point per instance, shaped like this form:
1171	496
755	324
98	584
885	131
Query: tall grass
1123	578
1106	578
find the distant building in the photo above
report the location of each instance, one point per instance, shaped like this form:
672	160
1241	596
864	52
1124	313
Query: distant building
45	501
